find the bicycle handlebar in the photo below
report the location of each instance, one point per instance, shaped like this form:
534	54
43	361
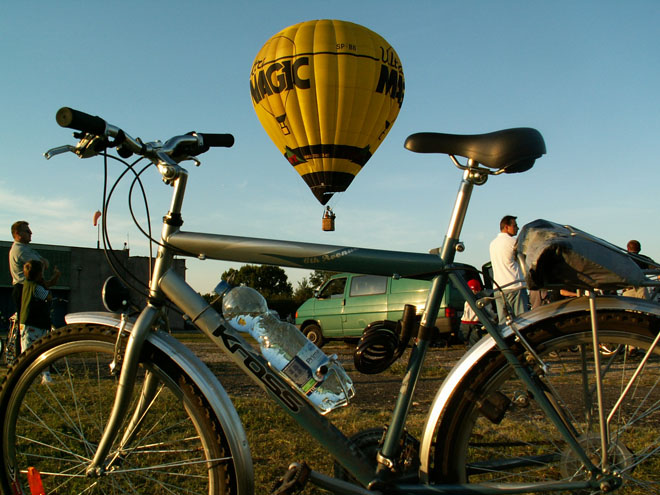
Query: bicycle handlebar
80	121
91	124
173	151
217	140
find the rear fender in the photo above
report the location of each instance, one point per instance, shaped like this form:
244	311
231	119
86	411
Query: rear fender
207	382
487	344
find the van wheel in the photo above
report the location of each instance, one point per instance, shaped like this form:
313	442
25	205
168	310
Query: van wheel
314	334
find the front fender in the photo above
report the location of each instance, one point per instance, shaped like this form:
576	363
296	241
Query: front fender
487	344
207	382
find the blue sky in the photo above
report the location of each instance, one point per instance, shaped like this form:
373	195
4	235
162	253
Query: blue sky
585	73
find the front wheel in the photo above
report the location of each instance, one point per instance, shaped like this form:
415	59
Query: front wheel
495	431
54	405
314	334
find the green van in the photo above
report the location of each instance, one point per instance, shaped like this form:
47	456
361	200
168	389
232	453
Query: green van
347	303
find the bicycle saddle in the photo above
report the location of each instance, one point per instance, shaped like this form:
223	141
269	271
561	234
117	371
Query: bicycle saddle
511	150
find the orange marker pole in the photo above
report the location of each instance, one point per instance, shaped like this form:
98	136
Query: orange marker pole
34	480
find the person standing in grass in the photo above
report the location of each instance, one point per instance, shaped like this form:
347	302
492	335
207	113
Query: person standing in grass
19	254
507	272
35	308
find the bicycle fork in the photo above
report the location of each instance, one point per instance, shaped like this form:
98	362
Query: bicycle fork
127	376
145	322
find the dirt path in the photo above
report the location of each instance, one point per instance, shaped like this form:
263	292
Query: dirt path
383	386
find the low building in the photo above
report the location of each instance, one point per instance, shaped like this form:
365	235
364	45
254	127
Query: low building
84	271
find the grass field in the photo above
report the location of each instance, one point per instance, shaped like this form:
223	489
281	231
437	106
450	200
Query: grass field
276	440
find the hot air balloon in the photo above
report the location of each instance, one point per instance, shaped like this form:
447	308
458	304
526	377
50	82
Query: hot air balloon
327	93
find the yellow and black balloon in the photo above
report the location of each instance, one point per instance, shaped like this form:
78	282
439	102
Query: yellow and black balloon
327	93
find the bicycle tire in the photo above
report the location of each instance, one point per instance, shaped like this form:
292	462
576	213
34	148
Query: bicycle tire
522	446
179	446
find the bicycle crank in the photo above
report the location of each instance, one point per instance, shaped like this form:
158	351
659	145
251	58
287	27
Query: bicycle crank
293	481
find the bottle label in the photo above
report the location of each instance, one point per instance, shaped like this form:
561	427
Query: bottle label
312	356
300	374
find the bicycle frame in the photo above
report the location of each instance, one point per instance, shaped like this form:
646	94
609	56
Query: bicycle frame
166	284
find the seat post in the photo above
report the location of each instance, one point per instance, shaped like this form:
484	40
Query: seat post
471	176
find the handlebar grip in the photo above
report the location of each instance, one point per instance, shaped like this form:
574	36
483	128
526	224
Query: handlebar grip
217	140
80	121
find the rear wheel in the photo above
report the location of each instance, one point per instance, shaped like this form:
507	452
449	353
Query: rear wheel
175	446
608	350
494	430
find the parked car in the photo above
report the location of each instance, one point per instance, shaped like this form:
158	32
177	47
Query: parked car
347	303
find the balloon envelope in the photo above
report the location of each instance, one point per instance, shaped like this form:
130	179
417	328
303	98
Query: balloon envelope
327	93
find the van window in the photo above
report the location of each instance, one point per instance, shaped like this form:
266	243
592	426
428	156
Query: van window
368	285
409	285
333	289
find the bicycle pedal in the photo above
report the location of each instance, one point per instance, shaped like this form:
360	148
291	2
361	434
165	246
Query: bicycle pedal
293	481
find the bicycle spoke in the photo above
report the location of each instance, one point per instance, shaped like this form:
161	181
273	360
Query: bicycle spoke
73	455
57	435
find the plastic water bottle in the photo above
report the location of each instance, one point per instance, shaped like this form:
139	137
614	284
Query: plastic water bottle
321	379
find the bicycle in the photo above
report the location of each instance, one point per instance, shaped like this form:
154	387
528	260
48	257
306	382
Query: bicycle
13	341
12	347
520	412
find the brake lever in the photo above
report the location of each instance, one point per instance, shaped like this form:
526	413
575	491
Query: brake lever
58	151
88	146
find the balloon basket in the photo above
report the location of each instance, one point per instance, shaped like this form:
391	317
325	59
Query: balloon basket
328	220
328	224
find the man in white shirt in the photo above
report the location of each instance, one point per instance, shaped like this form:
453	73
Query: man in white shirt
507	273
634	247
